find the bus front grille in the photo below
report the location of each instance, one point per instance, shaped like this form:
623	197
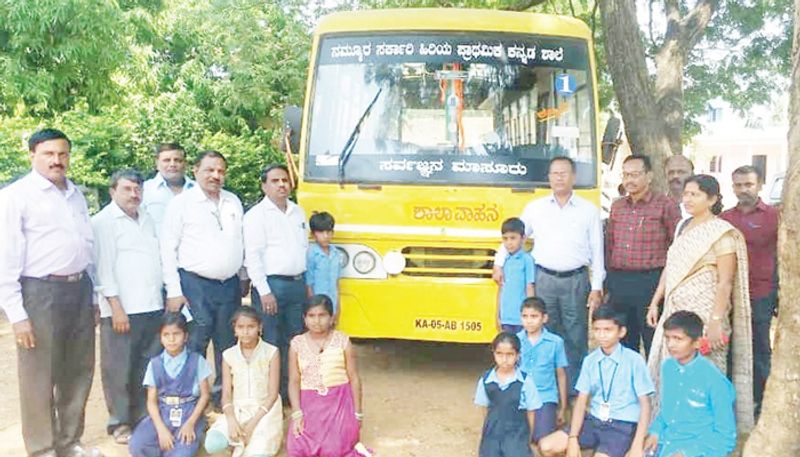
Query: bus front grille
448	262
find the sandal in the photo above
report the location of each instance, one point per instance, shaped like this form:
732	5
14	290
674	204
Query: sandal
122	434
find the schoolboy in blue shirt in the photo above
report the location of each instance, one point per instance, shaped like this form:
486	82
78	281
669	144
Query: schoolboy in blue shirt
615	385
324	261
518	276
697	400
543	357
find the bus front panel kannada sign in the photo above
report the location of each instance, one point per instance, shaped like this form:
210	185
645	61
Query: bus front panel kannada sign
494	49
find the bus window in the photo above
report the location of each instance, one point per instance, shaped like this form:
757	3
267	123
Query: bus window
483	109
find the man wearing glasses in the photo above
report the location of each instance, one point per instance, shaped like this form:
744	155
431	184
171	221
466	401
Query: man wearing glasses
567	243
639	231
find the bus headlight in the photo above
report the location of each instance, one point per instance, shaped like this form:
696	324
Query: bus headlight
364	262
345	257
394	262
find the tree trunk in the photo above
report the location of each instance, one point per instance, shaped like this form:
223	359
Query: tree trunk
653	115
644	125
670	61
776	432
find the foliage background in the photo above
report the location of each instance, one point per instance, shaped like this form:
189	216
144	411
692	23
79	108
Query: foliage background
119	76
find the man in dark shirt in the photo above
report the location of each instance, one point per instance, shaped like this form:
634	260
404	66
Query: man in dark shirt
759	224
639	231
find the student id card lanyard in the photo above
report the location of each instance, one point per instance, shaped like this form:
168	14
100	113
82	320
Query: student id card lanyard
605	406
176	416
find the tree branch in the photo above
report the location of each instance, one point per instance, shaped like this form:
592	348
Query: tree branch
693	26
650	23
522	5
572	8
594	18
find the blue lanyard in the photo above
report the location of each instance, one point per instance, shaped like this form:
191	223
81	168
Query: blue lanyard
605	396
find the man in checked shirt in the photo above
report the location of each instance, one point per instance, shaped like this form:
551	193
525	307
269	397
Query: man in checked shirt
638	234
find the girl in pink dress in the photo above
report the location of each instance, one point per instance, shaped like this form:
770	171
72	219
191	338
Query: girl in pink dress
324	389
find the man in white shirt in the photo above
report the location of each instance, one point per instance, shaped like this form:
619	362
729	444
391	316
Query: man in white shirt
276	243
201	253
129	280
567	238
169	181
46	294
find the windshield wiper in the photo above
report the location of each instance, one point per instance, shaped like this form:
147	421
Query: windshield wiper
344	156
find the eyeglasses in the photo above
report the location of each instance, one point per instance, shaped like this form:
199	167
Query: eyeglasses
215	213
633	174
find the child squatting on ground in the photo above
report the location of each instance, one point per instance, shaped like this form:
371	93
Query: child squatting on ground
519	275
543	357
323	261
616	386
697	400
509	397
177	394
252	421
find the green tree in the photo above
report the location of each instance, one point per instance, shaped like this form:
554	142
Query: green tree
752	35
55	53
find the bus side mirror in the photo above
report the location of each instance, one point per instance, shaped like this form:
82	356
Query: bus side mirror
611	139
292	120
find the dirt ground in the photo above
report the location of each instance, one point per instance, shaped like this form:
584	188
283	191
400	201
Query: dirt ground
418	399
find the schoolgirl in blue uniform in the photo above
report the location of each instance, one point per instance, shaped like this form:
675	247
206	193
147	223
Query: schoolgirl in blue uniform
510	398
177	394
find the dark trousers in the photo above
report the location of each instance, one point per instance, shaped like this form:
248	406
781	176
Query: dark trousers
762	310
55	377
123	361
567	316
212	303
280	328
630	293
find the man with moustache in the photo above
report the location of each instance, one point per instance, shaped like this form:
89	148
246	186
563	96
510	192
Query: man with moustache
639	231
201	253
129	281
169	181
276	242
758	222
46	294
567	240
678	168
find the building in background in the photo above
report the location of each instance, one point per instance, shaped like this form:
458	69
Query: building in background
730	139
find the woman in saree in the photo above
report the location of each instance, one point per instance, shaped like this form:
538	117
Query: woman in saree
706	273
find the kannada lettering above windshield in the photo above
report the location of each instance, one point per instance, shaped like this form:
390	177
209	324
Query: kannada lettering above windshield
506	49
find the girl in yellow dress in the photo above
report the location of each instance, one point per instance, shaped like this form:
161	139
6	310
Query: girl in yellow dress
252	420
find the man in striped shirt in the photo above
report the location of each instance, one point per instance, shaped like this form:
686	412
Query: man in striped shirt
639	231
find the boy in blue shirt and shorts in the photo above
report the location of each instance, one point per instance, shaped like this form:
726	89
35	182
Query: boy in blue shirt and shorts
697	401
518	276
616	387
324	262
543	357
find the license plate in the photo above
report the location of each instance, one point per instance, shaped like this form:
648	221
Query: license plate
447	325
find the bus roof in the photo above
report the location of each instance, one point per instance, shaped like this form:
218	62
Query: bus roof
452	19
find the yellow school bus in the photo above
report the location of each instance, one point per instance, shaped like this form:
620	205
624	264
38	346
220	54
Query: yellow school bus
424	129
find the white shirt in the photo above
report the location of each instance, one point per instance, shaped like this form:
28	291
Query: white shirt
127	261
564	238
201	236
156	195
275	242
44	231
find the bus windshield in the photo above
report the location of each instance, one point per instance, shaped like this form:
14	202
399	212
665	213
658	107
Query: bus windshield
486	109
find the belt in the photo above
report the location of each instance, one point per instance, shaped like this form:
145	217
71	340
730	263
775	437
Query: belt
286	277
60	278
175	400
562	274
